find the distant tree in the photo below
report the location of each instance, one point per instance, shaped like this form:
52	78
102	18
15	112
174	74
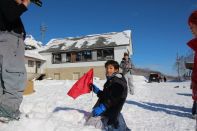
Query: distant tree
180	64
189	57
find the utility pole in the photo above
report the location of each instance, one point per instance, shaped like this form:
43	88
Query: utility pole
43	29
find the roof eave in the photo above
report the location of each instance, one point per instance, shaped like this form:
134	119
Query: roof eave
81	49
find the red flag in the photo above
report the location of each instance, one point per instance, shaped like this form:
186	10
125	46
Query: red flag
82	85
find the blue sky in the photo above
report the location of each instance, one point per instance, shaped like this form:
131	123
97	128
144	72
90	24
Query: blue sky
159	27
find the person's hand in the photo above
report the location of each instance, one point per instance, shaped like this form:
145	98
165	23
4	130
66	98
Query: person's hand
98	110
26	2
94	88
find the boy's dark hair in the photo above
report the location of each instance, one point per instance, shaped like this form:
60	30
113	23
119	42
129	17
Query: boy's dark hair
113	63
193	18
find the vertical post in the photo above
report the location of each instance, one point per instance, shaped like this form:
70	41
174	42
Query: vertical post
43	29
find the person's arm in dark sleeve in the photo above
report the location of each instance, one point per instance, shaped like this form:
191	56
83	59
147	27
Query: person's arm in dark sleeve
115	96
11	10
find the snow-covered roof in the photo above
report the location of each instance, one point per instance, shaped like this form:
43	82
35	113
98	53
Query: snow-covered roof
90	41
34	54
29	40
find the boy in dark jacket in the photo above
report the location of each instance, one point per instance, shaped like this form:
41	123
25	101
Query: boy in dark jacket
12	63
111	98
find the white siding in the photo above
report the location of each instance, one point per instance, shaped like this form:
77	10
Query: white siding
119	52
30	69
33	69
48	58
130	47
42	67
94	55
63	57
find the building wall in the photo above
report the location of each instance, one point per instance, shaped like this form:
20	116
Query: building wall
119	53
75	70
74	73
48	62
33	69
29	69
130	47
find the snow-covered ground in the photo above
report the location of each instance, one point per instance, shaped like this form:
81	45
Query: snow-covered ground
154	107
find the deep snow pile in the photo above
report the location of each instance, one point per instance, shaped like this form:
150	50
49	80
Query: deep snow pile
30	40
154	107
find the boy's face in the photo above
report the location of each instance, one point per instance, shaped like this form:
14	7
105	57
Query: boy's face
110	70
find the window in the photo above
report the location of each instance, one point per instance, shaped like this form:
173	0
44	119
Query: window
30	63
108	54
68	57
79	56
84	56
105	54
57	76
100	54
76	75
56	58
87	55
38	64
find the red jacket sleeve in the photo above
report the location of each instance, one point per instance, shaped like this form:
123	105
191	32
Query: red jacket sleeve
193	44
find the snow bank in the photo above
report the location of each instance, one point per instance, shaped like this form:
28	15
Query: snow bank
154	107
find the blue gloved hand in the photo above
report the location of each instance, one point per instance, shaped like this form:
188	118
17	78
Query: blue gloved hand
98	110
95	89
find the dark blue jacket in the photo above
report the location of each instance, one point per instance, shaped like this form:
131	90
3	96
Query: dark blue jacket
113	97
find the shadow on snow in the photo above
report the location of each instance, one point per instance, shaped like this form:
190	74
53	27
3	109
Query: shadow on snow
57	109
184	94
86	114
168	109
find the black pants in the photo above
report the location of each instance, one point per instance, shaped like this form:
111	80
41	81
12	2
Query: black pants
194	108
